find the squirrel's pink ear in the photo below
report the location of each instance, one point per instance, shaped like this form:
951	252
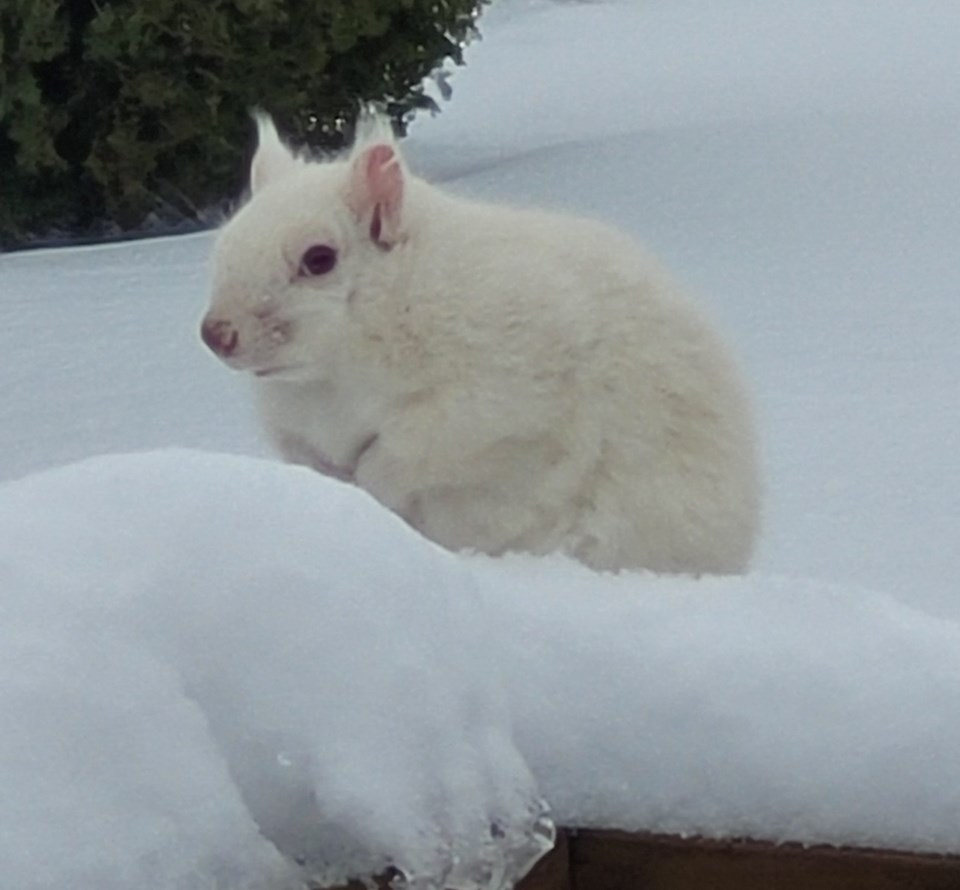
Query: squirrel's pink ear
272	159
375	190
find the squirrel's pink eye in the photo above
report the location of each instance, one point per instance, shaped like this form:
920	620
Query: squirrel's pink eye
318	260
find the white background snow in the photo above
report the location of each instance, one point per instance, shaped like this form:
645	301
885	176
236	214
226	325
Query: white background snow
197	649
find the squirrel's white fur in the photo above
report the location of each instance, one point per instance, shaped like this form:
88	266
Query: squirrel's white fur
503	379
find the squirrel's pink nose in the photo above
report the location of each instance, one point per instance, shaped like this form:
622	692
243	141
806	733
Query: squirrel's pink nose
220	336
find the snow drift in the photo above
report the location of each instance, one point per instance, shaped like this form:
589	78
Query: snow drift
220	671
200	648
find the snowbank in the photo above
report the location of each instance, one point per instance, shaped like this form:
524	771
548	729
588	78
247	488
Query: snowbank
198	648
215	668
766	707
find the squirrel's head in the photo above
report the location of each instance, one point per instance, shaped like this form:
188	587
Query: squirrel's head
315	241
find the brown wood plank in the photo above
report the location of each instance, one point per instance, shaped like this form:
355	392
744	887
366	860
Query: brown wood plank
610	860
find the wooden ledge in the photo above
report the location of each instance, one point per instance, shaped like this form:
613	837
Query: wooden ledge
616	860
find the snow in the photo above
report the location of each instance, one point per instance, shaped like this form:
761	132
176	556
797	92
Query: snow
767	707
299	663
197	648
217	669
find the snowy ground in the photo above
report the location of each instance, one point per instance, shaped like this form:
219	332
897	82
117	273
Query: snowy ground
796	164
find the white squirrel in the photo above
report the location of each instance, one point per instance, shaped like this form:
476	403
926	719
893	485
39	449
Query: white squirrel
503	379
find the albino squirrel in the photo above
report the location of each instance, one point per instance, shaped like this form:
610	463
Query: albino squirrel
503	379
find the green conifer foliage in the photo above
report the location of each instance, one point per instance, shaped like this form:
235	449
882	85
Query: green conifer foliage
120	115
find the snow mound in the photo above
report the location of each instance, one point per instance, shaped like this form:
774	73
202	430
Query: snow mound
217	668
766	707
222	672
